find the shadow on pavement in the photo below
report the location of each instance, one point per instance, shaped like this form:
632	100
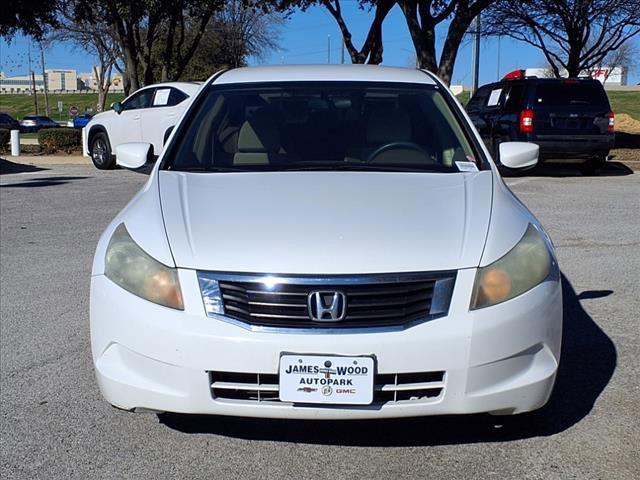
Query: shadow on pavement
627	140
611	169
41	182
587	363
587	294
7	166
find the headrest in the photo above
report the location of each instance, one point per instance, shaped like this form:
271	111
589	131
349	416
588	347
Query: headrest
388	126
260	133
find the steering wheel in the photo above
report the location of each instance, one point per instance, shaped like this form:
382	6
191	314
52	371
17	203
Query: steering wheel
393	146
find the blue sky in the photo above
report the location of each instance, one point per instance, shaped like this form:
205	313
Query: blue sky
304	40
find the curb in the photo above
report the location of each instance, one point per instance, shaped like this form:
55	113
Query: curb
48	160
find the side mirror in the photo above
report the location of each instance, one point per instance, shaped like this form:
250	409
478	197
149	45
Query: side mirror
518	155
133	155
117	107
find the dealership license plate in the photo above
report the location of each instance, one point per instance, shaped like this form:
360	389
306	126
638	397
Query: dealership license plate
326	379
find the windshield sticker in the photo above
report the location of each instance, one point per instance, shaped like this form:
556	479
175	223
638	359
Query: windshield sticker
467	166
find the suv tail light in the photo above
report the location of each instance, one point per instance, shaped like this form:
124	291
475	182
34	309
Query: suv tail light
612	122
526	121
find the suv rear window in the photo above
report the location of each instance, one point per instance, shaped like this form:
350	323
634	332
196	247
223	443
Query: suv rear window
571	93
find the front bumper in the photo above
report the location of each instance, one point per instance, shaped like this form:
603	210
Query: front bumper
501	359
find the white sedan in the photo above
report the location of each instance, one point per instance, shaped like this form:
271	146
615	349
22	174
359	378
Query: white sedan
326	242
147	115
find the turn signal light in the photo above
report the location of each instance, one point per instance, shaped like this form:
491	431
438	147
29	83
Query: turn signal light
526	121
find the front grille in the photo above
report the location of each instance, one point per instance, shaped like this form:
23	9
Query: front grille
370	301
388	387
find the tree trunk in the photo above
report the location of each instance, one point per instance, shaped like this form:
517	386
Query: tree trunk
423	36
455	34
131	71
573	62
426	50
372	48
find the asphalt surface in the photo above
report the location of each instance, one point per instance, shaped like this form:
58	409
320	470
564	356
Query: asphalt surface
54	423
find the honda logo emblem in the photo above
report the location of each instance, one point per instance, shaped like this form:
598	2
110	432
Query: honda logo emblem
327	306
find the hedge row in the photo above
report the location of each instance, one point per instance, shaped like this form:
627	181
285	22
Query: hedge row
54	140
5	136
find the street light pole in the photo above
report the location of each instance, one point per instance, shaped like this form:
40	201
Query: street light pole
498	62
44	80
476	56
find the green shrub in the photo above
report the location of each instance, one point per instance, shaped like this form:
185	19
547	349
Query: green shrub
30	149
54	140
5	136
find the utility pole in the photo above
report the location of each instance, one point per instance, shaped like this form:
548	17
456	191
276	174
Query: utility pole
44	80
328	48
342	52
33	80
498	63
35	95
476	56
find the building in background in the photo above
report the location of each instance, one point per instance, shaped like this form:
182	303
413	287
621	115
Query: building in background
88	81
616	76
58	80
20	84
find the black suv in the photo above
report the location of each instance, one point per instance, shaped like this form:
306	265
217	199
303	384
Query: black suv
569	118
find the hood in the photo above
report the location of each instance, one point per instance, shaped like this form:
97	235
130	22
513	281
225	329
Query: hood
326	222
101	115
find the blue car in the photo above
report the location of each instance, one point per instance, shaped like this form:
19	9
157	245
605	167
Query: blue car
80	121
35	123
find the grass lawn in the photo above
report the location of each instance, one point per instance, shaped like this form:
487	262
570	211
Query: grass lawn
19	105
463	98
625	102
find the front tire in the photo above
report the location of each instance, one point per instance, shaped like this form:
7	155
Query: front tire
101	152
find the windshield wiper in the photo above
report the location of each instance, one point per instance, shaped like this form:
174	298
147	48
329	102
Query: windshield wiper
361	167
210	169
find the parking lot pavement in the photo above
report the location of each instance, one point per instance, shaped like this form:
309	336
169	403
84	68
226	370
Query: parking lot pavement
54	423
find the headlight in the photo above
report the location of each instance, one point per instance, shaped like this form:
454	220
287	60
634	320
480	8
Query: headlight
127	265
522	268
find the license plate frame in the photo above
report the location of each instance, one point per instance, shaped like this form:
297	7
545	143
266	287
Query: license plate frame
344	380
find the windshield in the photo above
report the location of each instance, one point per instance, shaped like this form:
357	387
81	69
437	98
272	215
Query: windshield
326	126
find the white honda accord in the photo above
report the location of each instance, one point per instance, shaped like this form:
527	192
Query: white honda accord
326	242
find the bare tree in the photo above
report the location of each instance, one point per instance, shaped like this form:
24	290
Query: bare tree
243	31
140	26
371	49
574	35
622	58
423	16
95	38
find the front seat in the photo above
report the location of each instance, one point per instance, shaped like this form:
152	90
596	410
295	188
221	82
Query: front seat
258	139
